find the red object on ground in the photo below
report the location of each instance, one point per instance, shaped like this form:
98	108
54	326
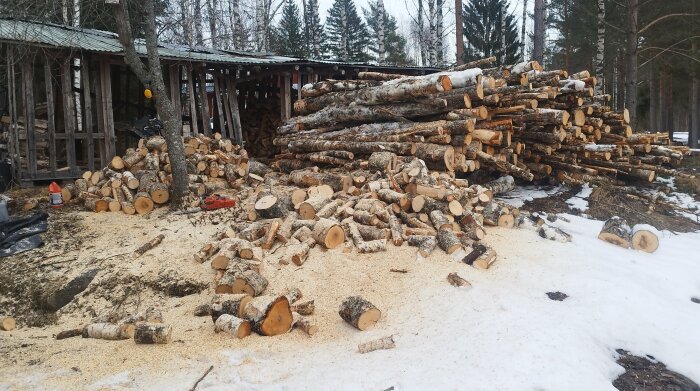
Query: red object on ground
216	201
55	196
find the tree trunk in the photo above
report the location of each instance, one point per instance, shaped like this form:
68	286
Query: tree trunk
172	123
694	131
600	48
381	33
539	32
187	24
211	10
198	31
432	34
421	34
459	31
439	34
653	99
522	32
631	57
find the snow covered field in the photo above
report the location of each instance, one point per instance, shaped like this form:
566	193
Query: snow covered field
502	334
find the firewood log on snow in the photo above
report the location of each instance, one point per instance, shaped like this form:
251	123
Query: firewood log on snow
481	256
359	312
377	344
645	238
304	324
233	325
109	331
616	231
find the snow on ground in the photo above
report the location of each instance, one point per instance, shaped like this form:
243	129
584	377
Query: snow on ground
521	194
502	334
580	200
680	137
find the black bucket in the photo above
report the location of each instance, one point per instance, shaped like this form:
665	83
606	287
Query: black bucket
5	174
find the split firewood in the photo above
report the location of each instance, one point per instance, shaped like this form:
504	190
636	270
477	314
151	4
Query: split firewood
377	344
425	244
448	241
301	251
147	246
109	331
231	304
359	312
304	308
269	315
481	257
293	295
457	281
304	324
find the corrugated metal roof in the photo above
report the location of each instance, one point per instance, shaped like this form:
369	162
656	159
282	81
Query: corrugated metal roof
90	40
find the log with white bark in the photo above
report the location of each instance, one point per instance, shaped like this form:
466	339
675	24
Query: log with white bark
233	325
377	344
304	324
616	231
153	333
328	233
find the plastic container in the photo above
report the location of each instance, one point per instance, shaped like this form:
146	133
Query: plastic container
55	196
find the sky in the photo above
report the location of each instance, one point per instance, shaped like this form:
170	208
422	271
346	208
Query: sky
403	9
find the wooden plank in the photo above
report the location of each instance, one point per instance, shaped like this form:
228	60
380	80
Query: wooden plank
219	110
68	112
206	119
227	106
286	96
233	101
50	114
100	118
107	111
12	105
87	112
193	103
299	84
29	114
175	90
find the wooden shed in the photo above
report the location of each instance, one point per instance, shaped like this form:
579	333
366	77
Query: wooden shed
70	102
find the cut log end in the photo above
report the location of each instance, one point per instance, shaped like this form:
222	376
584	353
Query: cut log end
645	240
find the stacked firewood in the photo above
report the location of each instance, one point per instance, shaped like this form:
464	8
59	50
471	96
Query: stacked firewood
140	180
520	120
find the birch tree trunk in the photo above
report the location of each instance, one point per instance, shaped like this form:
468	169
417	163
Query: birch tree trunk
539	31
259	25
187	24
315	23
600	48
381	33
198	33
432	34
459	32
694	131
439	33
631	63
421	34
522	32
237	25
344	34
211	10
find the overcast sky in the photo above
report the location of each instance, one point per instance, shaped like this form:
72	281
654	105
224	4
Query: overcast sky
403	9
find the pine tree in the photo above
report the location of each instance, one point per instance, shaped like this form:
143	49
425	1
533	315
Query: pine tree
385	41
288	38
348	37
490	30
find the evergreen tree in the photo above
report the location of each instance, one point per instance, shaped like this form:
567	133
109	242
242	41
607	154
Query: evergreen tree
288	38
348	37
384	35
489	30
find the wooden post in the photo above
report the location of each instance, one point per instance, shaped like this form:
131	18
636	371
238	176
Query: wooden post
286	96
50	114
100	117
29	114
227	107
299	85
233	101
217	99
14	132
107	111
206	119
87	110
193	103
68	113
175	83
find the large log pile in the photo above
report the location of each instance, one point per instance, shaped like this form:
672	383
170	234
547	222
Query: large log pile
139	181
520	120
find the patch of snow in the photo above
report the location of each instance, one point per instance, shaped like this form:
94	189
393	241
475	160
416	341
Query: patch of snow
119	380
680	137
520	194
580	200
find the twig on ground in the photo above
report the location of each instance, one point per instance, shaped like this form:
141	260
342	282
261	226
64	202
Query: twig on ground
201	378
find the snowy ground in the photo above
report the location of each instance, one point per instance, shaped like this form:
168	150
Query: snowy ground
502	334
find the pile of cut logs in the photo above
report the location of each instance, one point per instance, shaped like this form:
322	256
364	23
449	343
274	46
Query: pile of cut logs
140	180
519	119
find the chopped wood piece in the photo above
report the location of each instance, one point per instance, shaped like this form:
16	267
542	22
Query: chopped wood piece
425	244
270	315
147	246
303	324
359	312
232	304
7	323
616	231
70	333
328	233
153	333
644	238
481	257
377	344
230	324
108	331
456	280
304	308
448	241
301	251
